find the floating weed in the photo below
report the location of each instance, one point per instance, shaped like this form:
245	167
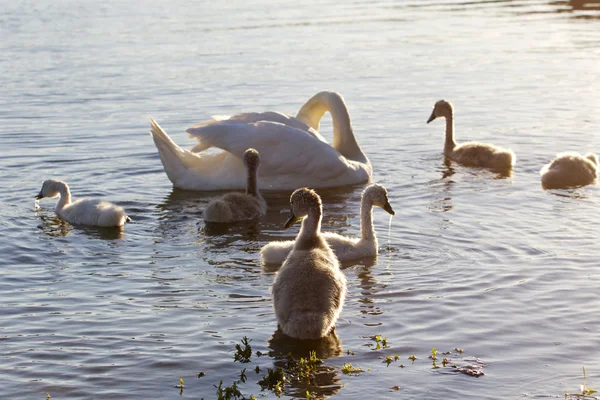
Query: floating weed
257	369
243	376
243	354
395	388
348	369
433	355
459	351
180	386
412	358
380	342
350	353
584	390
388	360
229	392
309	395
305	369
47	396
273	381
201	374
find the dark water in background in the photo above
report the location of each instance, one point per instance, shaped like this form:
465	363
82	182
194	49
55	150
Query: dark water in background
498	267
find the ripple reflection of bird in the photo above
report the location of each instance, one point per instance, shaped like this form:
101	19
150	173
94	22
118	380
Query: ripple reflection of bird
327	381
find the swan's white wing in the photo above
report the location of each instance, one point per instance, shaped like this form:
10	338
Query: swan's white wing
251	118
284	151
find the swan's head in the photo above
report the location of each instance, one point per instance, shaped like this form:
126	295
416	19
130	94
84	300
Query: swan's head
50	188
302	202
378	196
251	159
442	108
593	158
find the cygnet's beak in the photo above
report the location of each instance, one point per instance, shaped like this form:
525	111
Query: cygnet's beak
39	196
431	117
387	207
291	220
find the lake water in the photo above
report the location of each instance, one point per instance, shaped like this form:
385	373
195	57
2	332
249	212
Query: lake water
495	266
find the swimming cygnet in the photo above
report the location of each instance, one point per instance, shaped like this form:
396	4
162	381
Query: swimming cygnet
309	289
84	211
472	154
570	169
345	248
234	207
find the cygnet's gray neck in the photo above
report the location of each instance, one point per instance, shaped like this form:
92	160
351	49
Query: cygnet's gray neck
251	182
309	236
449	144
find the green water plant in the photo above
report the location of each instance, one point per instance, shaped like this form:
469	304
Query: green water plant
244	351
349	369
273	381
584	390
229	392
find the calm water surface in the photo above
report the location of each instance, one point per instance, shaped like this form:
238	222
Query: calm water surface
495	266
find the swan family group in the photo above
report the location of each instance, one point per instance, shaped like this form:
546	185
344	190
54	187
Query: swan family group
276	151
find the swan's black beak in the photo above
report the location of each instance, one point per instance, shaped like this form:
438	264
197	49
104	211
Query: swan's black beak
291	220
431	117
39	196
387	207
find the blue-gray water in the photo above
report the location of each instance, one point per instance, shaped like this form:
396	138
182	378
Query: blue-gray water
498	267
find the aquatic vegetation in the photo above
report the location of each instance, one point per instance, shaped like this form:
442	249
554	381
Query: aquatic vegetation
348	369
584	390
244	354
201	374
390	359
305	369
380	342
229	392
395	388
243	376
273	381
412	358
180	386
433	355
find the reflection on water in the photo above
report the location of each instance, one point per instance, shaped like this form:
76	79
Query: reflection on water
585	5
54	226
326	382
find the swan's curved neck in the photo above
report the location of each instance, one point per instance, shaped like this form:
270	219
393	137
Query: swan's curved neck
251	186
343	136
309	236
65	195
450	144
366	220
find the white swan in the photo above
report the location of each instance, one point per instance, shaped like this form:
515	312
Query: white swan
84	211
309	289
239	206
293	152
345	248
472	154
570	169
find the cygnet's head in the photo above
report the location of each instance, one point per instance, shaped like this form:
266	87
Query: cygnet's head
593	158
442	108
49	189
251	159
301	202
378	196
